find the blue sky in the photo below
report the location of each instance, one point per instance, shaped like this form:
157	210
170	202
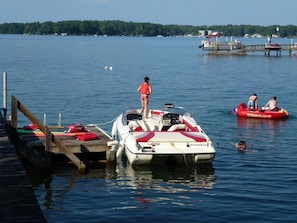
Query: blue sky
180	12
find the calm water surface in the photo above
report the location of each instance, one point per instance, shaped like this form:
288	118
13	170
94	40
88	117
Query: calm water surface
67	75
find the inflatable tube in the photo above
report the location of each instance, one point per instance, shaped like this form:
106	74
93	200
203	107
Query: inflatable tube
244	112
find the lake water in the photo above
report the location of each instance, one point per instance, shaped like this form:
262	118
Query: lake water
67	75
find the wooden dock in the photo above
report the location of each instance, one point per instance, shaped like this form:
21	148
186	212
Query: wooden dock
71	142
45	148
18	202
245	49
33	148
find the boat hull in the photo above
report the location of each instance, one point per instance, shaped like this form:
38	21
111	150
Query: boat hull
273	47
243	112
157	159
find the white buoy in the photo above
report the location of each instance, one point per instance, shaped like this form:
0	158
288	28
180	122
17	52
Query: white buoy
110	68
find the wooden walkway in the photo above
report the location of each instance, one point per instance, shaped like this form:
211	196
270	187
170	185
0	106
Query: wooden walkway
17	199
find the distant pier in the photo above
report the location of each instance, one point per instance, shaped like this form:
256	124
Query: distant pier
229	48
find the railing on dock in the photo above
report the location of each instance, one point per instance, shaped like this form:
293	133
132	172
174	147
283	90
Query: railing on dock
49	137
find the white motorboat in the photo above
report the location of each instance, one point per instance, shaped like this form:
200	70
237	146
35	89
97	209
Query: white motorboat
169	134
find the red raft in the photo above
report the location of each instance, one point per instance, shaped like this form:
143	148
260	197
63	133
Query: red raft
243	111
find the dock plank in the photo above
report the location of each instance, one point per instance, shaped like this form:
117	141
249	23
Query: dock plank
17	199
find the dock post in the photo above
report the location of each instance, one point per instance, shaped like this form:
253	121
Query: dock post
111	159
48	148
4	96
14	112
111	155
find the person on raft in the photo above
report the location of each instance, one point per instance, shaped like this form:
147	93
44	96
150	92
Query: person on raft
271	104
253	101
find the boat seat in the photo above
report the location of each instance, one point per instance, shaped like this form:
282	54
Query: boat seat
177	127
151	124
168	120
164	125
137	125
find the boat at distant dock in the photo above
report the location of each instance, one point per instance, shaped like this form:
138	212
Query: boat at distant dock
273	46
220	46
212	43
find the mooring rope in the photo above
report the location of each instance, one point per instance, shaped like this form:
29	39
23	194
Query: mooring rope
184	155
104	123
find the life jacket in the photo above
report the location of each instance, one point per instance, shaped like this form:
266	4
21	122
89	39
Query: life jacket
253	98
144	88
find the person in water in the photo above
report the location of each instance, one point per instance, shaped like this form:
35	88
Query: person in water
271	104
253	101
240	145
145	90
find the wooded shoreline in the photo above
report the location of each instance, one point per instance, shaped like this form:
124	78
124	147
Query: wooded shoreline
121	28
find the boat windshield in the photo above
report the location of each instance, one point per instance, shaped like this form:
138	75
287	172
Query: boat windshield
177	110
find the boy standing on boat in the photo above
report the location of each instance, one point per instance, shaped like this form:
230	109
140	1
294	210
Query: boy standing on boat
145	90
253	101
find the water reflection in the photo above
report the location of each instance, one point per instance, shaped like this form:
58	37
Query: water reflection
145	184
166	185
136	187
263	126
52	186
201	176
256	123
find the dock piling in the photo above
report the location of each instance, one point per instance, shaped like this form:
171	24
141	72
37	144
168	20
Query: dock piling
4	96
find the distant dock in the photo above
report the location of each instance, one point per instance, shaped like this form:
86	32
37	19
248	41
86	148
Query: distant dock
230	48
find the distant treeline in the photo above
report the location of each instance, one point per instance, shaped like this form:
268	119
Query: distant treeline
118	28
